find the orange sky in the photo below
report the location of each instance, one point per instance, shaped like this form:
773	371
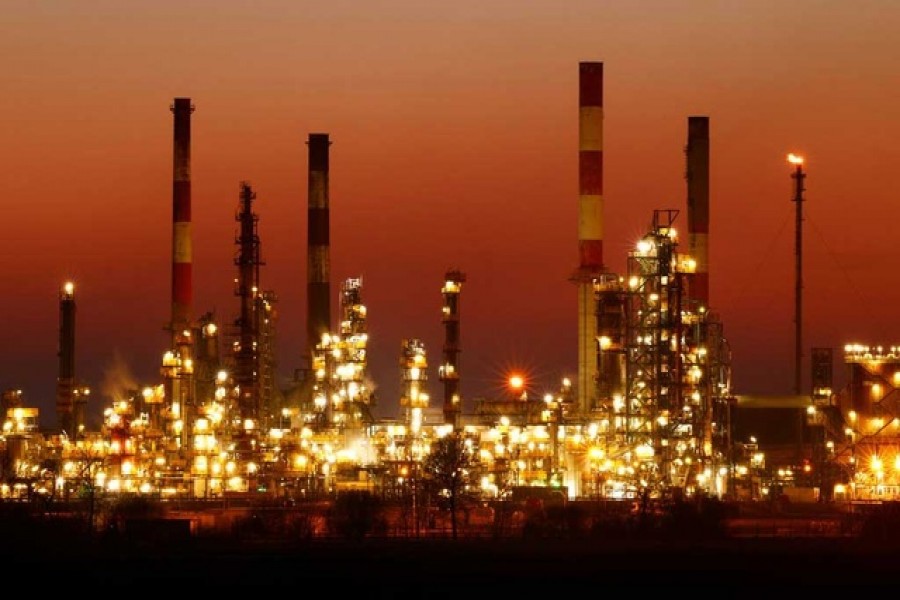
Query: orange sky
454	130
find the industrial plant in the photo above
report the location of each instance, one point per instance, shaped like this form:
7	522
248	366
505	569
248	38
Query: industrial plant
650	415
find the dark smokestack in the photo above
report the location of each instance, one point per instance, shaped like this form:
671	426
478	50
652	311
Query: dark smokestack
65	383
798	176
318	295
248	263
182	286
698	206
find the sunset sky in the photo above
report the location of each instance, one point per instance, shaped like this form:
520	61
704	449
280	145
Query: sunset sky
454	144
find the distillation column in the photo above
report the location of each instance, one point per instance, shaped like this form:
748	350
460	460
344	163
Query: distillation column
590	225
340	393
318	296
449	371
652	405
271	400
207	358
413	395
65	384
352	370
247	348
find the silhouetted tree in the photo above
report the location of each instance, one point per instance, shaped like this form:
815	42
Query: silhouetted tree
448	469
88	463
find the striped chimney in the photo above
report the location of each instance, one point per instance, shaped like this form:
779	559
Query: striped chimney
698	206
182	287
318	314
590	165
590	223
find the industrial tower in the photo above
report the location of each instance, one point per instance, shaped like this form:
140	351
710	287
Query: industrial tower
177	367
207	357
246	347
342	398
448	373
798	176
318	270
590	227
697	175
414	394
182	253
66	411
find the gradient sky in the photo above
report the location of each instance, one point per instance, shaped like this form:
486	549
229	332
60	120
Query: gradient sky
454	129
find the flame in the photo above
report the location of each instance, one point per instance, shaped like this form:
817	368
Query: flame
794	159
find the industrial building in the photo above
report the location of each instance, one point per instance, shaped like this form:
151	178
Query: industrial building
650	413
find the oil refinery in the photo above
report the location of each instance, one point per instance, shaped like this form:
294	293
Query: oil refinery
651	412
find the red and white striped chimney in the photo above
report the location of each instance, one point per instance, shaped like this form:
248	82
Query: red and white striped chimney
590	166
590	225
318	271
698	206
182	286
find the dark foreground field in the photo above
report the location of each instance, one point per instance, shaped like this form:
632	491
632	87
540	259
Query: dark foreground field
459	569
754	552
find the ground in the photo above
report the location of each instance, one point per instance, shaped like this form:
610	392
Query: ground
465	569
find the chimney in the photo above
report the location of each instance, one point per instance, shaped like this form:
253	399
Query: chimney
590	166
590	225
318	297
182	287
698	206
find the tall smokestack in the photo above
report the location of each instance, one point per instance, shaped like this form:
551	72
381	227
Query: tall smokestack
318	296
182	287
65	383
248	347
698	206
590	224
798	176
